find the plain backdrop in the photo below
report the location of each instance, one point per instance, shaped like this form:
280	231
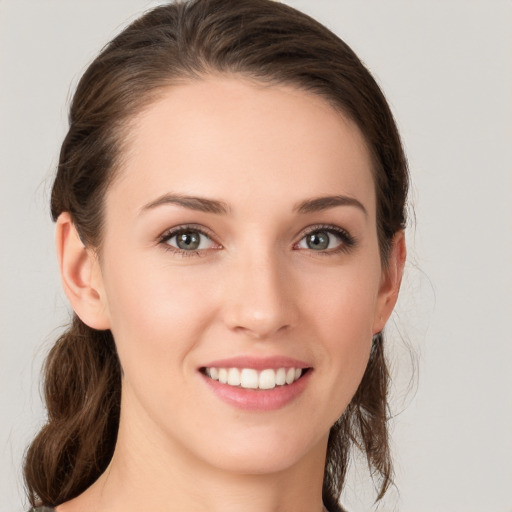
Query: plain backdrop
446	68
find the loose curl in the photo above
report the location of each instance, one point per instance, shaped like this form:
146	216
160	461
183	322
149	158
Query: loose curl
257	39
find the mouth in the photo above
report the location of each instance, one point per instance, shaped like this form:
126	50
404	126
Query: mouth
257	384
250	378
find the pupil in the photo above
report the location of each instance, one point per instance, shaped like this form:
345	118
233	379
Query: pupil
188	241
318	241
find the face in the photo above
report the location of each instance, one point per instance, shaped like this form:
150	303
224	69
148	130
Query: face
240	272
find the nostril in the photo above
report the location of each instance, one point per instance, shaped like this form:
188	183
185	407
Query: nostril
261	329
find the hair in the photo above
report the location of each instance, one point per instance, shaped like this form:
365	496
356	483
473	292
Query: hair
261	40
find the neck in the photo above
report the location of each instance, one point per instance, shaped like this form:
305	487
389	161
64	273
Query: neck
148	472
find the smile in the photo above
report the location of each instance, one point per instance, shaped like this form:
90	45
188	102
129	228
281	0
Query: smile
250	378
257	383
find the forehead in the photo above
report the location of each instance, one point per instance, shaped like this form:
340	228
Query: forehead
241	141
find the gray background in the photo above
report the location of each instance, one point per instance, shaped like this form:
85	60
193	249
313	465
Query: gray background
446	68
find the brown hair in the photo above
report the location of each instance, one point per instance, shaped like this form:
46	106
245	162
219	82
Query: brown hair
259	39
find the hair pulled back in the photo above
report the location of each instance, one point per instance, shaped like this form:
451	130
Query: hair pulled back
258	39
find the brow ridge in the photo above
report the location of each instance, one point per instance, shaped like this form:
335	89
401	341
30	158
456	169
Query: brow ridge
221	208
201	204
325	202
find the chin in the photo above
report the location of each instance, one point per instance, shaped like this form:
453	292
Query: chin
247	465
266	453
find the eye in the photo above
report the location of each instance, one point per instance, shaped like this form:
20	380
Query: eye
188	239
329	239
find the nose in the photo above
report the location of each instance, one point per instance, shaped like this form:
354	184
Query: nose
259	297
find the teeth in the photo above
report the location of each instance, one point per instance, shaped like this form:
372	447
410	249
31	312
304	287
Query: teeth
249	378
233	377
267	379
280	377
290	375
223	375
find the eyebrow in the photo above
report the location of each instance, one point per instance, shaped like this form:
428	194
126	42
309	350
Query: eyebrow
318	204
200	204
203	204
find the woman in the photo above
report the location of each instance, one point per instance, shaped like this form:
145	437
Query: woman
230	206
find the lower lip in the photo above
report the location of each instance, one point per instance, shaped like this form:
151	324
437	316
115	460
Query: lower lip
258	399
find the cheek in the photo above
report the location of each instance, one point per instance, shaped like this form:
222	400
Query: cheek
345	302
342	318
347	330
156	315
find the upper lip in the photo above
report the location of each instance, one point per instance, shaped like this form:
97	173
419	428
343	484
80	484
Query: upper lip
257	363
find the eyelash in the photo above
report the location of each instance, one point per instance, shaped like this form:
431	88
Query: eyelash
347	240
165	237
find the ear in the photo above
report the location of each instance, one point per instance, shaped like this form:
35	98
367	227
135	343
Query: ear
390	282
81	275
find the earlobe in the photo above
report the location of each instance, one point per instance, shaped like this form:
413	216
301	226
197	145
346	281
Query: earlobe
391	281
81	275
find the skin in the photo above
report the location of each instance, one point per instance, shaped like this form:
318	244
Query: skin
253	288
